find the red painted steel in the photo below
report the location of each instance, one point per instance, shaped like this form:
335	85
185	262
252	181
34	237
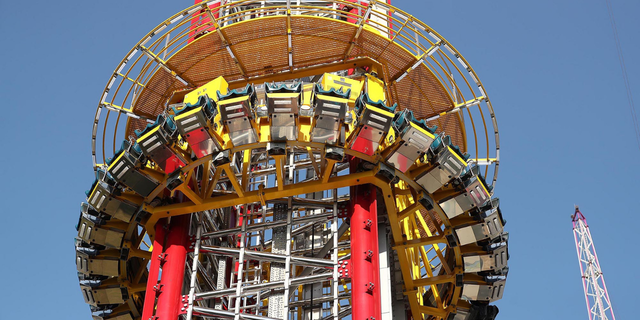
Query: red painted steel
154	271
175	255
200	141
364	266
200	19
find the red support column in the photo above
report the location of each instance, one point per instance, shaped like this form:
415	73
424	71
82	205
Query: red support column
154	271
175	255
365	275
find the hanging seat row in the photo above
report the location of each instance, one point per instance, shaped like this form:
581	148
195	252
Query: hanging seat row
338	112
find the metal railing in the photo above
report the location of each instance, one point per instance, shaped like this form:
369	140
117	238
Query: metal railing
430	49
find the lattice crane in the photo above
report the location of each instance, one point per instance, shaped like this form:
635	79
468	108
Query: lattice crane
595	291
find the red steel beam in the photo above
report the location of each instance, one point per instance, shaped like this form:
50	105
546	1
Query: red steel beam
154	271
365	265
175	255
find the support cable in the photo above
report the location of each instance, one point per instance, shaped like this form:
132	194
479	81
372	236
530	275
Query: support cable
623	67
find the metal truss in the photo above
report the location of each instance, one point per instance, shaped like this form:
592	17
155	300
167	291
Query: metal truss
595	290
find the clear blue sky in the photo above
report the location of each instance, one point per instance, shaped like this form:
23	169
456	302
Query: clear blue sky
550	68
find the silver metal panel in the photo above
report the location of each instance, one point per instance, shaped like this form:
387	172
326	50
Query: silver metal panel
461	315
475	292
372	134
493	225
234	110
238	124
434	179
410	151
480	292
457	205
400	162
221	279
97	266
476	263
283	120
329	123
469	234
108	296
194	121
282	104
325	136
284	133
477	193
119	209
138	182
375	119
495	260
243	137
465	235
87	294
417	139
450	162
451	208
208	145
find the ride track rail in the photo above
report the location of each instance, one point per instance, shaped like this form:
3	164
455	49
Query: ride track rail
444	243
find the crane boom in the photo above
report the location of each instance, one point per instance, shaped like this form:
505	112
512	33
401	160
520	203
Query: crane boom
595	291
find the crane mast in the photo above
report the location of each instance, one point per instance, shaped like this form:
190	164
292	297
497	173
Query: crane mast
595	291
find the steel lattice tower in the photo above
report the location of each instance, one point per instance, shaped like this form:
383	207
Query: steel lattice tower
595	291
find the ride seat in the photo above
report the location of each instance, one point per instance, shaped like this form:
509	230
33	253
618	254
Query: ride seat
490	227
476	194
95	295
195	123
156	141
492	262
88	264
103	198
330	110
476	311
374	119
413	139
90	232
448	164
483	292
124	170
237	113
283	104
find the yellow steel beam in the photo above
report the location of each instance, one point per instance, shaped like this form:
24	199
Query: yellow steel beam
437	312
427	267
420	242
246	162
411	209
280	159
449	278
193	196
396	233
252	196
206	176
361	23
328	169
312	158
139	253
308	72
232	178
225	42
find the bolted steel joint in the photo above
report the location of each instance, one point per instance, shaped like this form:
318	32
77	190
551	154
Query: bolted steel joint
370	286
368	255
